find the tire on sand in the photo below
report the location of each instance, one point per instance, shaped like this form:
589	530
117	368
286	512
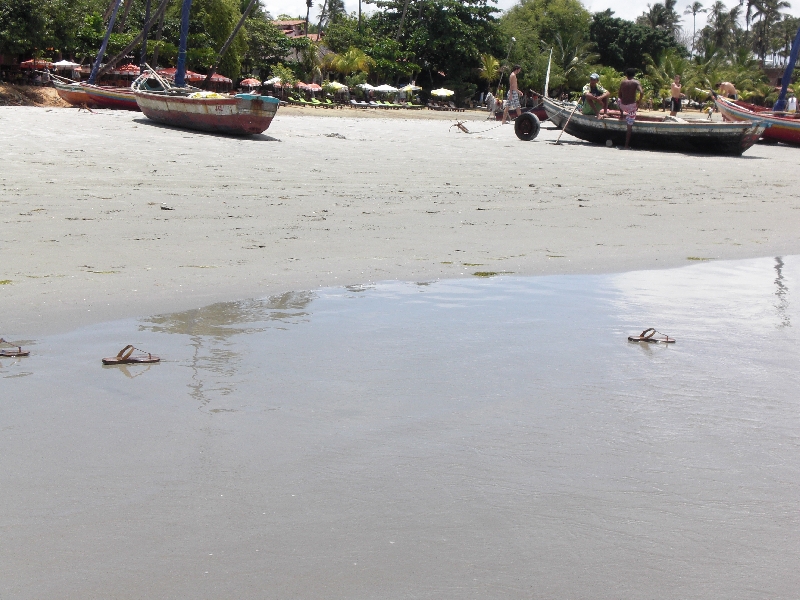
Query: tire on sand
527	126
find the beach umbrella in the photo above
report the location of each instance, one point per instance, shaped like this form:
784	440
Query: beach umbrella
250	82
129	69
336	85
442	92
65	64
410	88
365	86
35	64
190	75
314	87
273	81
385	88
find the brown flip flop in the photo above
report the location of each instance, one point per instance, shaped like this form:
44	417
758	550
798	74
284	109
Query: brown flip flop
649	335
7	353
125	357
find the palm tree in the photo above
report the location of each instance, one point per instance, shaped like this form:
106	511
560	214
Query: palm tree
353	61
768	12
490	68
693	9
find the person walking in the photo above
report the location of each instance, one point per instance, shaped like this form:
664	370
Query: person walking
628	101
513	95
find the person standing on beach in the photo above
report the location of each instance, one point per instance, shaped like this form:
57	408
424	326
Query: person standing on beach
675	101
628	101
513	95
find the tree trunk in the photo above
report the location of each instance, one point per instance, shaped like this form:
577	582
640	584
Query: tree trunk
321	17
158	40
126	9
402	20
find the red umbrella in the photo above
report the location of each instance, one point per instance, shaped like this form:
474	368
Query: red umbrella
35	64
314	87
129	69
220	78
250	82
190	75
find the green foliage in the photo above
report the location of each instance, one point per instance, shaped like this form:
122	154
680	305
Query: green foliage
266	44
540	26
622	44
286	74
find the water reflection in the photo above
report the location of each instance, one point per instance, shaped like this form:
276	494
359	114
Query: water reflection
217	361
782	293
226	319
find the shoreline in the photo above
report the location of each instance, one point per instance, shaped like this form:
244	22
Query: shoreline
335	202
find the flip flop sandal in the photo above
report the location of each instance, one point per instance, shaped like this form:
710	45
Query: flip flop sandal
8	353
648	335
125	357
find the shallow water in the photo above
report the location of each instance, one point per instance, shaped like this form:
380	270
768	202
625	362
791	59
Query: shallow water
469	438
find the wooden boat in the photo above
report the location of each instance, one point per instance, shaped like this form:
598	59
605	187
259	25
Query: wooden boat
658	133
104	96
783	127
242	114
74	93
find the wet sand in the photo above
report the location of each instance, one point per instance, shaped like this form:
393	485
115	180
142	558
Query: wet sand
344	200
459	439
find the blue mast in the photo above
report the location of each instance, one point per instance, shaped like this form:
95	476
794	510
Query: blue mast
180	72
780	103
104	45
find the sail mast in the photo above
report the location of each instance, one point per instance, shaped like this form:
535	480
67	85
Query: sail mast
180	72
104	45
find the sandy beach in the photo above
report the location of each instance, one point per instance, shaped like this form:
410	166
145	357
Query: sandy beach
106	215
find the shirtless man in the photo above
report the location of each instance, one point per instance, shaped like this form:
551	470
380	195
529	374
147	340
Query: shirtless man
675	101
727	89
513	95
628	102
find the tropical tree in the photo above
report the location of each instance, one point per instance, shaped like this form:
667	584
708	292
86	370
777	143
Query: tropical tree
694	9
661	15
490	68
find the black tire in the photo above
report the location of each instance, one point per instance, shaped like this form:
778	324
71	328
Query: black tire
527	126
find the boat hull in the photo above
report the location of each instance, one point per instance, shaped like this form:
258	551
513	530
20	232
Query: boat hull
781	129
235	115
696	137
108	97
73	93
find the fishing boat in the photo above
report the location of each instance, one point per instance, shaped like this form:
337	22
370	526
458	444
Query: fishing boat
179	105
657	133
783	127
190	108
104	96
73	93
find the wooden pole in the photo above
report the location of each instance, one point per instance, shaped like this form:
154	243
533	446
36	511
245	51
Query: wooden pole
558	141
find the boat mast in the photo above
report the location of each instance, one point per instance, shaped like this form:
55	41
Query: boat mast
180	72
104	45
143	55
780	103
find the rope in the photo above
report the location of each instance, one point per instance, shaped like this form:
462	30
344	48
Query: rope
460	125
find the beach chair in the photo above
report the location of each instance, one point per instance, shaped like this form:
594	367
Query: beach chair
455	108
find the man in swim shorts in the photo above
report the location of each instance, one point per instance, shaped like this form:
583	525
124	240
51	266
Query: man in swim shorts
675	100
727	89
513	94
628	102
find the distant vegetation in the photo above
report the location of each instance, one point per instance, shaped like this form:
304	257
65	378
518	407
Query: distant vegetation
465	45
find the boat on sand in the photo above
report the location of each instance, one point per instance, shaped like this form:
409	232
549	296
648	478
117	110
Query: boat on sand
666	133
783	127
190	108
104	96
73	93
